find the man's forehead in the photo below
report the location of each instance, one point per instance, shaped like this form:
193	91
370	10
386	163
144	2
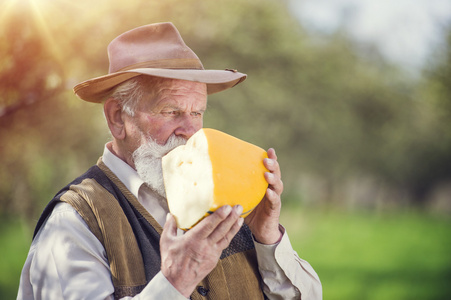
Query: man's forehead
176	93
178	104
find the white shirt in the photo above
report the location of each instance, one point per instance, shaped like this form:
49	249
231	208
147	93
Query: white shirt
66	261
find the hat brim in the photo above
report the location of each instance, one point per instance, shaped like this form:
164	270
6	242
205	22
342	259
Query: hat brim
97	89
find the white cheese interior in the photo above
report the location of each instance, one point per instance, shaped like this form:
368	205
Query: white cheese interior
188	180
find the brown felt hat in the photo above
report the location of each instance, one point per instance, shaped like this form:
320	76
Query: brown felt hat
154	50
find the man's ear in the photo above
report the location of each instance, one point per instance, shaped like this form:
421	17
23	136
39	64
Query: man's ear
114	117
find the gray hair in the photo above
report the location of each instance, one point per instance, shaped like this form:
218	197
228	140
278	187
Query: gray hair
129	93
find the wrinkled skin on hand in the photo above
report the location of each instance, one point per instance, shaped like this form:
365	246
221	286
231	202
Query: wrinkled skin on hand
187	259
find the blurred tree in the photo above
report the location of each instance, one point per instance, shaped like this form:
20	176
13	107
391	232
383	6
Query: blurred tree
431	151
29	72
29	76
36	123
335	113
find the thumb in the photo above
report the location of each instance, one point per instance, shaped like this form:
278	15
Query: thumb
170	227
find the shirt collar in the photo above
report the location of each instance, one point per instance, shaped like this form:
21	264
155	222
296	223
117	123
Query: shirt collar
122	170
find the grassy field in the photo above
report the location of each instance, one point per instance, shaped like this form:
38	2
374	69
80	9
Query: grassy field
15	239
404	255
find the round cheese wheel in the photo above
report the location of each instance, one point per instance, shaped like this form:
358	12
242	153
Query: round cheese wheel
213	169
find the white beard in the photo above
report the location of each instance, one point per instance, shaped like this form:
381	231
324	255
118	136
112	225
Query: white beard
147	160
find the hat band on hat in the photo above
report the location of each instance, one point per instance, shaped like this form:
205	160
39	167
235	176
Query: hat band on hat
174	63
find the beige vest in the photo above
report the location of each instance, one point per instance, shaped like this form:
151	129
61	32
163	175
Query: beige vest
236	276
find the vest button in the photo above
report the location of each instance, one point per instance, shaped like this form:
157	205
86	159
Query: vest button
201	290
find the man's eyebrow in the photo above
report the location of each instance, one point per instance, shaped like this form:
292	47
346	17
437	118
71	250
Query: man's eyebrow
167	105
170	106
173	107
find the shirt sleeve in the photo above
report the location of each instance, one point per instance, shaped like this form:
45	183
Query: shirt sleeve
66	261
285	275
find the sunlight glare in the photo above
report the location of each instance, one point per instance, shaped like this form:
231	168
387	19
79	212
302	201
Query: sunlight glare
35	8
44	29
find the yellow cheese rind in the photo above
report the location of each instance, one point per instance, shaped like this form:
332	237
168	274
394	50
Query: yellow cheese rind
213	169
238	171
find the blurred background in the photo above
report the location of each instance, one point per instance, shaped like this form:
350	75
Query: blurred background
355	96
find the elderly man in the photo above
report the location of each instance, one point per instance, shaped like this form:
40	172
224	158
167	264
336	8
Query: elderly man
108	234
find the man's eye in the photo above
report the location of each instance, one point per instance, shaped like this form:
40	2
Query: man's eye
170	113
196	114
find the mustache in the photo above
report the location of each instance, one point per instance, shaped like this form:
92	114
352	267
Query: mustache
152	149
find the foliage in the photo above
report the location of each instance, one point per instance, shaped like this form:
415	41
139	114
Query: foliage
341	119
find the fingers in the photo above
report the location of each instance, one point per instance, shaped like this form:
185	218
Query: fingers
220	227
273	201
204	228
226	230
275	183
170	228
272	153
274	176
271	162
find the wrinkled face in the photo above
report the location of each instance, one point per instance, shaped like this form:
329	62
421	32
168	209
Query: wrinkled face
164	119
177	109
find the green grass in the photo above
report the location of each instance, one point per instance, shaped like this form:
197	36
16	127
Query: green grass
368	256
15	240
404	255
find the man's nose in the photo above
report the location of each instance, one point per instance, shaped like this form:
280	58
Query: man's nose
188	126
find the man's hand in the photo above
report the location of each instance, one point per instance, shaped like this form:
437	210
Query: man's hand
187	259
264	219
